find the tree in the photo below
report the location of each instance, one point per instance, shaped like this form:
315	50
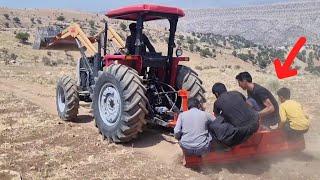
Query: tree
198	49
6	16
92	24
123	26
206	52
195	40
179	42
310	61
6	24
16	20
191	47
244	57
234	53
32	20
61	18
23	36
301	57
224	42
189	40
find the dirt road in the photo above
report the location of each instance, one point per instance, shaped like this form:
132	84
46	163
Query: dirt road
161	146
35	143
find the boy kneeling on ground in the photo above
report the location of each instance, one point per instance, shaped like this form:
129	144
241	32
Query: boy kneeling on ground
191	129
293	119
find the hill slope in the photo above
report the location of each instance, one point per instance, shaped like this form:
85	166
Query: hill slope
277	24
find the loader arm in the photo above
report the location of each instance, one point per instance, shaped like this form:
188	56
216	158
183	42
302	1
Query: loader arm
76	32
74	35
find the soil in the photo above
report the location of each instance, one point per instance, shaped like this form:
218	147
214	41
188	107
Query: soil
36	144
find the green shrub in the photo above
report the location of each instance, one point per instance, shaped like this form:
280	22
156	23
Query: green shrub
200	68
244	57
23	36
181	37
13	56
206	52
16	20
6	16
32	20
123	26
39	21
92	24
61	18
234	53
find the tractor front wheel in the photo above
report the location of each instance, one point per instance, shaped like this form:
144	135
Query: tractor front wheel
119	103
67	98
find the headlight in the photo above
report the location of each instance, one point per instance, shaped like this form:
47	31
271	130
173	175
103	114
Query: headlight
179	52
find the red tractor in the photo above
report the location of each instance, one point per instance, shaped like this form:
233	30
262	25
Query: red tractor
126	90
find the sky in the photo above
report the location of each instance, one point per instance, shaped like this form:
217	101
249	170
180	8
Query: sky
101	5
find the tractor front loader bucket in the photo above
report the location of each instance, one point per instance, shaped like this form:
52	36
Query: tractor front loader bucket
50	38
47	38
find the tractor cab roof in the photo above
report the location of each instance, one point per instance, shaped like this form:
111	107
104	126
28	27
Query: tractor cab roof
151	12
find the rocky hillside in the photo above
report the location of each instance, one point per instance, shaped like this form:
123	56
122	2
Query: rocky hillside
278	24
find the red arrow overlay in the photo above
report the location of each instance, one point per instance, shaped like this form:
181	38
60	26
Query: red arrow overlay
284	70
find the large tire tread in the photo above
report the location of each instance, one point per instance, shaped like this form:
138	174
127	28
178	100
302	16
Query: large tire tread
188	79
134	104
71	100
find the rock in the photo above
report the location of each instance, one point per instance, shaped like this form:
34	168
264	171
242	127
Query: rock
64	166
91	158
48	73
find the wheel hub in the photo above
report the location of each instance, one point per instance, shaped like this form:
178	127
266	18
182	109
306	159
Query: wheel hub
61	99
109	104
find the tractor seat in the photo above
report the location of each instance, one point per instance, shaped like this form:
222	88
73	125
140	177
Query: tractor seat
154	61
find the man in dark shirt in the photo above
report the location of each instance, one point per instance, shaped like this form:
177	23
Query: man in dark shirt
260	99
235	121
131	41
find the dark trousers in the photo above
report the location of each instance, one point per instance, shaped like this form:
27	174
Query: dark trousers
292	133
229	135
196	152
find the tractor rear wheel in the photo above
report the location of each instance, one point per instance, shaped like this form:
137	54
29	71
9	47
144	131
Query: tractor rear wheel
119	103
188	79
67	98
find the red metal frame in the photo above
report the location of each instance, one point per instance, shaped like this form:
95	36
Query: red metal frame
261	144
184	105
133	12
133	61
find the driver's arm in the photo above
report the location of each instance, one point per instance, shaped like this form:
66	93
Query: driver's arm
148	44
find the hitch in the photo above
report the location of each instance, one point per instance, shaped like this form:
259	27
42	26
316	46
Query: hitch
184	104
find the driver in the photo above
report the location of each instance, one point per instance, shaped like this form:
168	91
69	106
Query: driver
130	42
